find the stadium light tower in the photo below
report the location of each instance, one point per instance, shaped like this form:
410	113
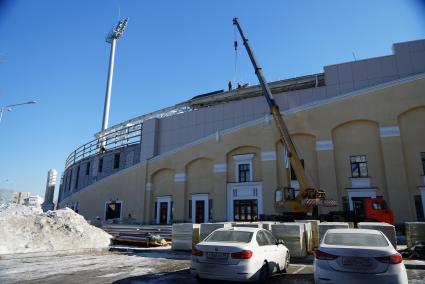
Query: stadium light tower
112	38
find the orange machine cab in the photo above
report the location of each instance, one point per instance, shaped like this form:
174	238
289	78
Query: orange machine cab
377	209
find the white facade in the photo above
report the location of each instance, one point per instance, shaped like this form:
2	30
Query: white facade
33	201
19	197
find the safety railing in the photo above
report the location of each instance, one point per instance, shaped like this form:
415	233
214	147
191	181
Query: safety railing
123	137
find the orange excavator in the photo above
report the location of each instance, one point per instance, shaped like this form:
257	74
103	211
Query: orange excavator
309	197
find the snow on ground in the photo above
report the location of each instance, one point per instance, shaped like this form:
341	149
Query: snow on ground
26	229
104	267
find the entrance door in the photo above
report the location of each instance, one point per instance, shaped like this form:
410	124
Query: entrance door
113	210
200	211
419	210
358	204
245	210
163	211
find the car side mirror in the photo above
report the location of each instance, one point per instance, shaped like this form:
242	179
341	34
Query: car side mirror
280	242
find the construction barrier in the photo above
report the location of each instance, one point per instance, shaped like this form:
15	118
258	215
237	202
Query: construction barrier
293	234
314	231
267	225
415	233
248	224
184	236
387	229
208	228
325	226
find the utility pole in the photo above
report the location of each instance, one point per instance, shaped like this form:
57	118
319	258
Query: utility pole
112	38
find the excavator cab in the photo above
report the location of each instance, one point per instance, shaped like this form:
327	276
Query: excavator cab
289	193
311	193
283	194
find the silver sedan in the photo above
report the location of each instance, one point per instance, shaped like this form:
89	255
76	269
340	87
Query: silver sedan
358	256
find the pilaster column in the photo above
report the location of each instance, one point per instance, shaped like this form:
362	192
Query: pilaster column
179	197
400	198
220	192
269	180
148	216
327	174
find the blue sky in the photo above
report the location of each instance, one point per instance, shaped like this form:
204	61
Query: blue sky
54	52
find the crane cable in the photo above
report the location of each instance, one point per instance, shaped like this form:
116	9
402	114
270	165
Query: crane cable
235	46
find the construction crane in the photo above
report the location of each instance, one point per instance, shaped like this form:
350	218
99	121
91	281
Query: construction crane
308	197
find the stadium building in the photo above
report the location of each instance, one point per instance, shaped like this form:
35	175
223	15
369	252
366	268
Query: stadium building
358	126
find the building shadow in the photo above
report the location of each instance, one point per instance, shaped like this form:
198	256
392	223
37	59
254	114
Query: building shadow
177	277
184	277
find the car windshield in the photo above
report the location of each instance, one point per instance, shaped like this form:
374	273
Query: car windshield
347	239
230	236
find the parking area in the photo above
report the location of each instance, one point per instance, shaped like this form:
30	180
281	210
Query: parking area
132	267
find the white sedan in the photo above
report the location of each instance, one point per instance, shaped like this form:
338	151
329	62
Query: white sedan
357	256
239	254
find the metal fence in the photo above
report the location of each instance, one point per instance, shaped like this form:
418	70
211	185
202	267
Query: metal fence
125	136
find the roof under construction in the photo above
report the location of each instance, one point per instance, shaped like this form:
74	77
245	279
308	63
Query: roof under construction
220	96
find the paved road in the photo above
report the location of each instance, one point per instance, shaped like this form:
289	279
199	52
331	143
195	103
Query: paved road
136	268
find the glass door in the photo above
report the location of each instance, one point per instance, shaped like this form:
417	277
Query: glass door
245	210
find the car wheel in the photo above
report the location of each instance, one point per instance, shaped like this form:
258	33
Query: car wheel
287	259
264	274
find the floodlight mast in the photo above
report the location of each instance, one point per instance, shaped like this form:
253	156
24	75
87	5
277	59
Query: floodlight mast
112	38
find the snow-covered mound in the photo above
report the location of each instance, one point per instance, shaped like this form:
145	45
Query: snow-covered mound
25	229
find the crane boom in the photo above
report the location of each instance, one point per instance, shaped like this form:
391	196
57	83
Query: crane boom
303	180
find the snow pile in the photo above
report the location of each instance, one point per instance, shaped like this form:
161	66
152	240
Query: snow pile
26	229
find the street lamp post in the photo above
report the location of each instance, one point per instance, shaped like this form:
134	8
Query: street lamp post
9	107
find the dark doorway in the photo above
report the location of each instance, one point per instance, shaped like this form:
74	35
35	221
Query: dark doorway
163	213
358	205
113	210
419	209
200	211
245	210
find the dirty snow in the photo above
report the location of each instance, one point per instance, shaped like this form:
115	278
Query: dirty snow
26	229
95	268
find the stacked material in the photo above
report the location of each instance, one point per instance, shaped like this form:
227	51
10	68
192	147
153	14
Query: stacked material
293	234
324	227
415	233
208	228
184	236
314	231
387	229
142	231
